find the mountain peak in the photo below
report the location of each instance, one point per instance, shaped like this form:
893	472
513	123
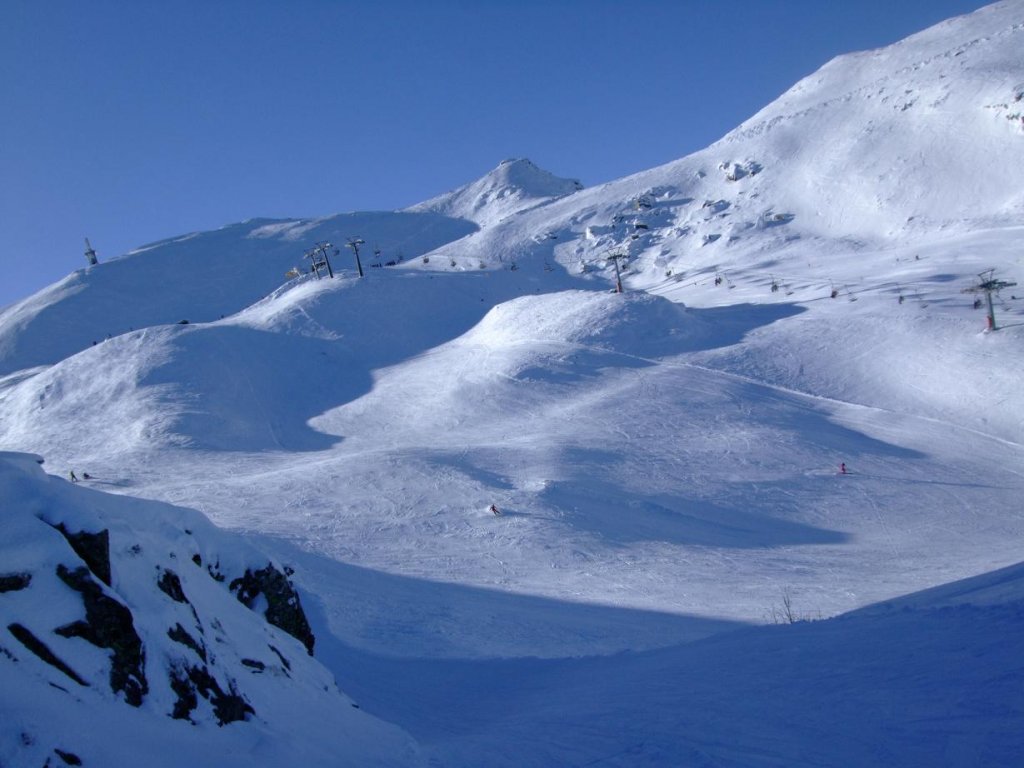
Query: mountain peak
513	186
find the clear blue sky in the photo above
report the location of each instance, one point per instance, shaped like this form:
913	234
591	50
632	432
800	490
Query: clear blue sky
128	121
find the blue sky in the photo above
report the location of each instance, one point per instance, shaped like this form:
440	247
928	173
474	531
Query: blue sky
134	120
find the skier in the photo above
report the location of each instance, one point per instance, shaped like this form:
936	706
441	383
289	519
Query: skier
493	509
842	468
71	474
86	476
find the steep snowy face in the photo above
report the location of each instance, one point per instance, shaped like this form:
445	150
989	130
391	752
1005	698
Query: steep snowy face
915	143
924	134
513	186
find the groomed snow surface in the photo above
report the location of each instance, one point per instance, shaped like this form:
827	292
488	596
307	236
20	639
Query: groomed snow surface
679	574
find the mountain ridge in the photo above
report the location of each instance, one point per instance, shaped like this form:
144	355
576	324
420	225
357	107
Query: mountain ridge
513	186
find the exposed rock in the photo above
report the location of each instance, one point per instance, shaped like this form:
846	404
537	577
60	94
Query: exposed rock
170	585
191	682
259	666
40	649
69	758
187	699
108	624
180	635
12	582
93	548
284	609
287	664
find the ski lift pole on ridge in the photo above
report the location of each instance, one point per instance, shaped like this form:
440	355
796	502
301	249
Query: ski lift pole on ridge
354	243
319	257
618	275
323	248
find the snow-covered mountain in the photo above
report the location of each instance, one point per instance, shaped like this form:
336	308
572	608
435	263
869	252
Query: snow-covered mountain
200	277
514	186
664	460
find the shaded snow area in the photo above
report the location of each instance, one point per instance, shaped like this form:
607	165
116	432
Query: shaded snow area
135	632
760	509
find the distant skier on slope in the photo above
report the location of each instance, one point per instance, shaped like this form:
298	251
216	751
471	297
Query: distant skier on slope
71	475
494	510
842	468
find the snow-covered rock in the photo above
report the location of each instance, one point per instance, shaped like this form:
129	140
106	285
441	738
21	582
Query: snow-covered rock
129	628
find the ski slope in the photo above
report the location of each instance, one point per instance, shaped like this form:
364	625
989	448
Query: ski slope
665	460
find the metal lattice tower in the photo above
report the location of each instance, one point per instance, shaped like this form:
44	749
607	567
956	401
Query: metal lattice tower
988	286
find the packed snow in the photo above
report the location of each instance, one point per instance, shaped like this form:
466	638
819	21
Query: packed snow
539	522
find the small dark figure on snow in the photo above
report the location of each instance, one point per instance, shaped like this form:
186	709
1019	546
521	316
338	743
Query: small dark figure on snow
86	476
494	510
71	474
842	468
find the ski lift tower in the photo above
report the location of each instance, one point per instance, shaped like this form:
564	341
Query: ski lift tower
988	286
316	261
90	254
354	243
324	247
618	275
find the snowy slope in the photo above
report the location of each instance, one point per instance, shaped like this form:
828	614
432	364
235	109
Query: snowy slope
428	370
664	460
198	277
125	638
514	186
889	177
931	680
942	104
